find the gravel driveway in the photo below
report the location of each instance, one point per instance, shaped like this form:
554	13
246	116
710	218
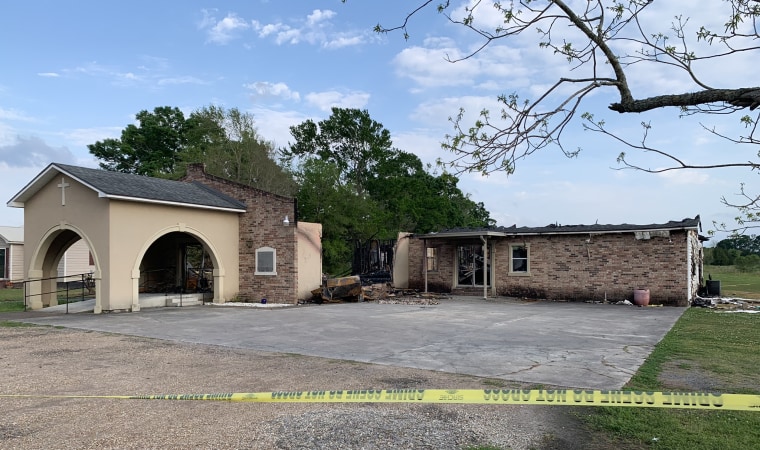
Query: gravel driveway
56	361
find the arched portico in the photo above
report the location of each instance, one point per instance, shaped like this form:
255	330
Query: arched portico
129	220
217	262
43	267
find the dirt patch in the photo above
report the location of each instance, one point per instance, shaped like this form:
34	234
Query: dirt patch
51	361
681	375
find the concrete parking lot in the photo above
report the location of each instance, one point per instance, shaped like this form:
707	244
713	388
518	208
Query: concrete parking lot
576	345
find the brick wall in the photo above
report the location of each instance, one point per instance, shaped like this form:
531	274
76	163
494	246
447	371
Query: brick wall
260	226
441	280
578	267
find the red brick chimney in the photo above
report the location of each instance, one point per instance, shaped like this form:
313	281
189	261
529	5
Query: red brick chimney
195	172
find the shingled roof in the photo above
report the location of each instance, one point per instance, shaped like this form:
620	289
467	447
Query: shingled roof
685	224
130	187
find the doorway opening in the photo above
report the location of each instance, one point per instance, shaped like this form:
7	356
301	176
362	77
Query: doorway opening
176	263
473	268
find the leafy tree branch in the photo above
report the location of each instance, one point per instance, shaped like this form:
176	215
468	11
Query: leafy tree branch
601	41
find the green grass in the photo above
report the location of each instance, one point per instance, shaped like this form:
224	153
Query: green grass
11	324
14	294
734	283
11	305
13	299
720	350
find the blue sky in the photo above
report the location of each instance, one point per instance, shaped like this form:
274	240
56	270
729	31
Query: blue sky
74	73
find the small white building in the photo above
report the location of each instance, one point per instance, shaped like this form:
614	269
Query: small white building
76	261
11	254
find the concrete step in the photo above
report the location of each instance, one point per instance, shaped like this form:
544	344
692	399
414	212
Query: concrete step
469	291
184	300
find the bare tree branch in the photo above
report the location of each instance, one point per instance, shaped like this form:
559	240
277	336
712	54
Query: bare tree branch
592	35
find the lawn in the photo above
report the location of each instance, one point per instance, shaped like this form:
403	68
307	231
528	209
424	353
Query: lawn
11	294
13	299
734	283
716	351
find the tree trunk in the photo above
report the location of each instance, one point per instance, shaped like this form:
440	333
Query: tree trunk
742	98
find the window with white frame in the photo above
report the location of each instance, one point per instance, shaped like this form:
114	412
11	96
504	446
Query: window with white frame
266	261
2	264
432	259
519	259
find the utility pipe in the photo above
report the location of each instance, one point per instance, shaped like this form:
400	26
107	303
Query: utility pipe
485	266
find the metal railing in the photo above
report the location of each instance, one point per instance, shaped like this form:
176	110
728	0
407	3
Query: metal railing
79	287
69	289
163	281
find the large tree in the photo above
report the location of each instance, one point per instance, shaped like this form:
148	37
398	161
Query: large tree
349	138
603	42
419	201
354	182
228	143
225	140
747	245
345	215
150	148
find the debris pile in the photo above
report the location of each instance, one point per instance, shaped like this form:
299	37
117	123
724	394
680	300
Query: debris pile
387	294
727	304
426	299
376	277
350	289
339	289
378	291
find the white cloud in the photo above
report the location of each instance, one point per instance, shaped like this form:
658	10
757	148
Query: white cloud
7	135
154	63
155	73
116	76
267	89
288	36
329	99
14	179
49	74
222	31
343	41
424	143
430	66
437	112
318	16
315	29
12	114
484	14
92	68
85	136
531	200
33	152
685	177
274	125
180	80
266	30
499	67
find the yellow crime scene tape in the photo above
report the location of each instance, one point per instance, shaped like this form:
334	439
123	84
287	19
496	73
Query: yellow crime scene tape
566	397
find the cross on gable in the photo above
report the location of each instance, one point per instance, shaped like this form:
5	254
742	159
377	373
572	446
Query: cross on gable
63	185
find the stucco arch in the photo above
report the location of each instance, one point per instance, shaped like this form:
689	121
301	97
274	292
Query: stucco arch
43	266
219	269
